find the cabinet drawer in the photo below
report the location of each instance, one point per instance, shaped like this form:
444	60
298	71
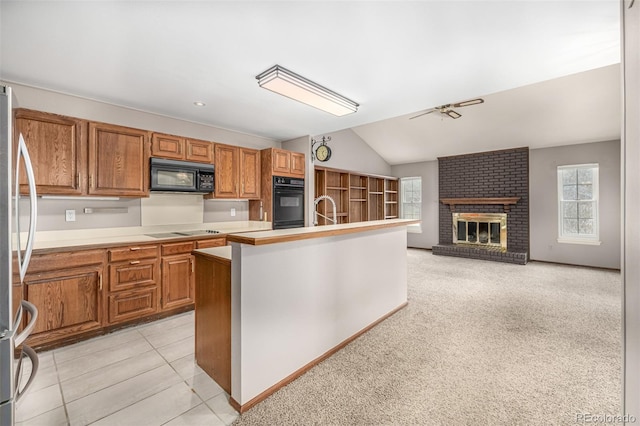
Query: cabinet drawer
177	248
133	274
132	253
216	242
64	260
128	305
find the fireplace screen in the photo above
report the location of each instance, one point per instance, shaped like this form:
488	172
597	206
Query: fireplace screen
481	229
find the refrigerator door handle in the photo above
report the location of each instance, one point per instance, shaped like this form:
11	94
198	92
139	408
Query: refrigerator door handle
33	356
33	311
23	263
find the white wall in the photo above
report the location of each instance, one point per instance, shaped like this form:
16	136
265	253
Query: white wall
543	203
631	207
283	321
350	152
428	170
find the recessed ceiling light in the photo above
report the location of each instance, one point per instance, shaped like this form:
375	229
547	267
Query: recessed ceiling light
199	104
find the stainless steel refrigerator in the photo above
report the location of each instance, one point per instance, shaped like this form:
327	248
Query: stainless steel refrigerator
12	349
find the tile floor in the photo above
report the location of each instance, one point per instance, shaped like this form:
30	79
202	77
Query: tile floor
144	375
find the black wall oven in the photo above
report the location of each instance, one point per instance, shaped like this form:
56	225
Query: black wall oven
288	202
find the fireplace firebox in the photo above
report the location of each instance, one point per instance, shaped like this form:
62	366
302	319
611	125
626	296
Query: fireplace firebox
480	230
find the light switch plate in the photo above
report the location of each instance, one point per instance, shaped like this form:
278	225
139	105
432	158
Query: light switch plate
233	211
70	215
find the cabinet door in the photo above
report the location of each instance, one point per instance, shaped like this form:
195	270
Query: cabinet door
118	161
57	147
131	305
68	302
226	171
177	281
297	164
200	151
167	146
281	161
249	173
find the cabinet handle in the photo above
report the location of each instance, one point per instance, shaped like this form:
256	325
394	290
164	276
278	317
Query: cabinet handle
134	248
91	181
193	266
134	262
100	282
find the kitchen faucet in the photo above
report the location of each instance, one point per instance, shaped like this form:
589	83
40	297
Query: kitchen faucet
315	210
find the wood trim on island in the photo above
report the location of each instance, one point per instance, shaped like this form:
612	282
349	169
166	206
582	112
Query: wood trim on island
259	238
282	383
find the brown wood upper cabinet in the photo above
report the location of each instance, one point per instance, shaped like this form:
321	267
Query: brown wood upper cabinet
118	161
285	163
58	151
237	172
179	148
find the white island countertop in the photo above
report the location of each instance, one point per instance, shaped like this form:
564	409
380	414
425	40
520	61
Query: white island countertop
258	238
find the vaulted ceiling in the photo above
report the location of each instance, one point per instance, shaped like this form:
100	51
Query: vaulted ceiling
547	69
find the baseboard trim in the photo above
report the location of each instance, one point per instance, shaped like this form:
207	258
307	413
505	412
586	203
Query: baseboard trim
241	408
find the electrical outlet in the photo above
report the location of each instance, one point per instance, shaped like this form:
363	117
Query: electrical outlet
70	215
233	212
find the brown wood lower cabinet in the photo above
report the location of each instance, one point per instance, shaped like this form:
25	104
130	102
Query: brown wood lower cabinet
82	293
177	275
134	276
130	305
213	318
67	290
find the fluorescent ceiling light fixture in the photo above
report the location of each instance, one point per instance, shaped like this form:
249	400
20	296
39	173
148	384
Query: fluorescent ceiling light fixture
284	82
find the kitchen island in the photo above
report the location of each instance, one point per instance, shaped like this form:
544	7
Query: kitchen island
293	298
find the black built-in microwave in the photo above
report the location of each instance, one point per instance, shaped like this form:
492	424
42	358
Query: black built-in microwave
181	176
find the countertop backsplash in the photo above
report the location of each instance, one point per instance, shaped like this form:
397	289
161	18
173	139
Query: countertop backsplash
157	210
52	213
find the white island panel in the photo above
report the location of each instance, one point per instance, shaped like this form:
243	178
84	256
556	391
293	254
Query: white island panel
293	302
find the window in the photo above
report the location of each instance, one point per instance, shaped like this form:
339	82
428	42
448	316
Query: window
578	204
411	207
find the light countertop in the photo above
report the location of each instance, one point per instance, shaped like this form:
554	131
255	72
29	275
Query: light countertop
295	234
223	253
136	234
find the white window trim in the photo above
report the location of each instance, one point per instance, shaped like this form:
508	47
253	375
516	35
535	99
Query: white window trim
414	228
574	239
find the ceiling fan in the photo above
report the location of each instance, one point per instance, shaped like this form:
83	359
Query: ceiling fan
447	109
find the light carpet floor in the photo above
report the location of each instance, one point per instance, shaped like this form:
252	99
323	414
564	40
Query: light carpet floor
480	343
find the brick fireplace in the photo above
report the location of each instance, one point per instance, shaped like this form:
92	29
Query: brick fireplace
484	206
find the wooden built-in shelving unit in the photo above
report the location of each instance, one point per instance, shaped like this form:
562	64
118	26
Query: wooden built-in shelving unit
359	197
390	199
